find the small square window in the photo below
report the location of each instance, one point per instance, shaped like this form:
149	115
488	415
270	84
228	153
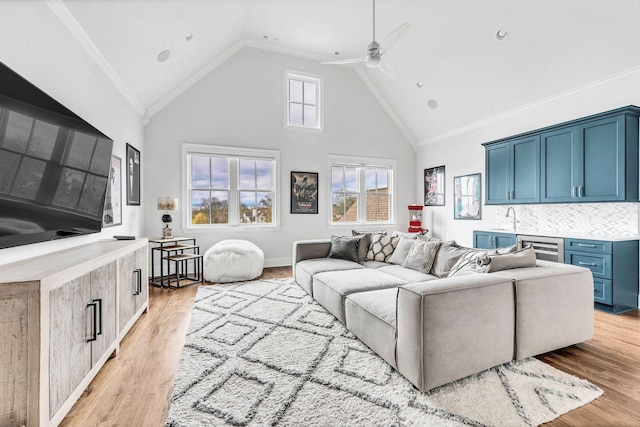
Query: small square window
303	107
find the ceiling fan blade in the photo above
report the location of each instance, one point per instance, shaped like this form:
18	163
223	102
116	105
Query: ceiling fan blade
388	70
346	61
392	38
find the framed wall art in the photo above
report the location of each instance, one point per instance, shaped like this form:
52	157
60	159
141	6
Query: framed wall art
467	197
133	176
304	192
112	214
434	186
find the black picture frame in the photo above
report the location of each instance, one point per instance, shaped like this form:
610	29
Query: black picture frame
434	179
112	213
467	197
304	192
133	176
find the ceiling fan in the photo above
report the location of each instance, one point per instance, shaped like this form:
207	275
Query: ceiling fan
376	50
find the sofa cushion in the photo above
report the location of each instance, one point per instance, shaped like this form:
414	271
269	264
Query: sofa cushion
331	288
344	247
363	248
382	247
307	268
422	255
373	264
401	251
468	259
523	258
407	274
447	256
371	316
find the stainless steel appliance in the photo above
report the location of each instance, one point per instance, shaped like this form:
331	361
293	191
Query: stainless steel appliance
546	248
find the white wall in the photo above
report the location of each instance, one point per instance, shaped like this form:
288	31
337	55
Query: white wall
240	103
41	49
463	154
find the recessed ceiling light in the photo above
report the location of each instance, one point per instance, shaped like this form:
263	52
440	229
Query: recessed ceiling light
419	84
189	37
336	53
432	103
164	55
266	37
501	35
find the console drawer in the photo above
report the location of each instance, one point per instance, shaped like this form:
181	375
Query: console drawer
602	291
599	264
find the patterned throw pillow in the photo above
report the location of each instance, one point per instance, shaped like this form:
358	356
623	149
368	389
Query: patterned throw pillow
382	247
422	255
470	257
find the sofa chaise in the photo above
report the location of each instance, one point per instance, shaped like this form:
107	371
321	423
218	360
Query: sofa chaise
434	330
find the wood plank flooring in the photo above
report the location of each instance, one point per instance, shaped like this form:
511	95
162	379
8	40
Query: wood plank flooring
133	389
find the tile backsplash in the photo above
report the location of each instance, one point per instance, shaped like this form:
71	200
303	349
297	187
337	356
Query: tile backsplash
594	218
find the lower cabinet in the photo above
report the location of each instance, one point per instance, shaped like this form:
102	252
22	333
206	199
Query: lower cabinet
614	266
490	240
82	325
59	325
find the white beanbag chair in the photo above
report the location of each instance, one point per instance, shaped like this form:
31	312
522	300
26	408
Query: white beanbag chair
233	261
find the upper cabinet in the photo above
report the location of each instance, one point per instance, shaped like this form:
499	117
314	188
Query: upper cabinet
513	171
594	159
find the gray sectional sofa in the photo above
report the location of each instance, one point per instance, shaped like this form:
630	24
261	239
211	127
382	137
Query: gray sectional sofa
434	330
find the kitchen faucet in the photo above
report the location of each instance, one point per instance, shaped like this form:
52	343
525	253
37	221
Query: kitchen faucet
513	225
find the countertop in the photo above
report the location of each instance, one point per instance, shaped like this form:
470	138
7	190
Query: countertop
611	237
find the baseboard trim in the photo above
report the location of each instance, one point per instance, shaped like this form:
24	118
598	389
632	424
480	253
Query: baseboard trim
278	262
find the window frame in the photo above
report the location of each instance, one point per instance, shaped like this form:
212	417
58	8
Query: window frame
189	149
362	163
304	77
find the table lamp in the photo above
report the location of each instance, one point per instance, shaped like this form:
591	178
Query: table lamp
167	204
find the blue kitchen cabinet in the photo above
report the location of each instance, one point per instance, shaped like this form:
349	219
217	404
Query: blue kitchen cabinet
491	240
592	159
513	171
614	267
587	162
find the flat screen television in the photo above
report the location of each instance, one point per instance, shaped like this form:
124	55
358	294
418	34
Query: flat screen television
54	167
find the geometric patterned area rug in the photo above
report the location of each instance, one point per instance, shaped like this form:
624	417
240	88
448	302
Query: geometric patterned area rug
263	353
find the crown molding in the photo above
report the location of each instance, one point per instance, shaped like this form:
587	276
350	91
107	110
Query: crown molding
527	108
74	27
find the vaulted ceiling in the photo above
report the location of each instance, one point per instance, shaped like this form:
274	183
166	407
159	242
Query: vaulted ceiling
552	47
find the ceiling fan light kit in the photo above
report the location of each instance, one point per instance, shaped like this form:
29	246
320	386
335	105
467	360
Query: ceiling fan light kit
376	50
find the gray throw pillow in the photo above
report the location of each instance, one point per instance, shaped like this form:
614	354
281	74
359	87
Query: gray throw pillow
421	255
447	256
363	248
519	259
401	251
344	248
382	247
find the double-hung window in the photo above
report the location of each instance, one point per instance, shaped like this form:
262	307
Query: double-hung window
303	94
361	191
230	186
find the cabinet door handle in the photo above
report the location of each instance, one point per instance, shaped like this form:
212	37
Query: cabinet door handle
585	245
588	264
99	302
94	322
513	194
581	191
508	194
574	191
138	273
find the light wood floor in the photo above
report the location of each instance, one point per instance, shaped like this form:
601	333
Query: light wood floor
133	389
